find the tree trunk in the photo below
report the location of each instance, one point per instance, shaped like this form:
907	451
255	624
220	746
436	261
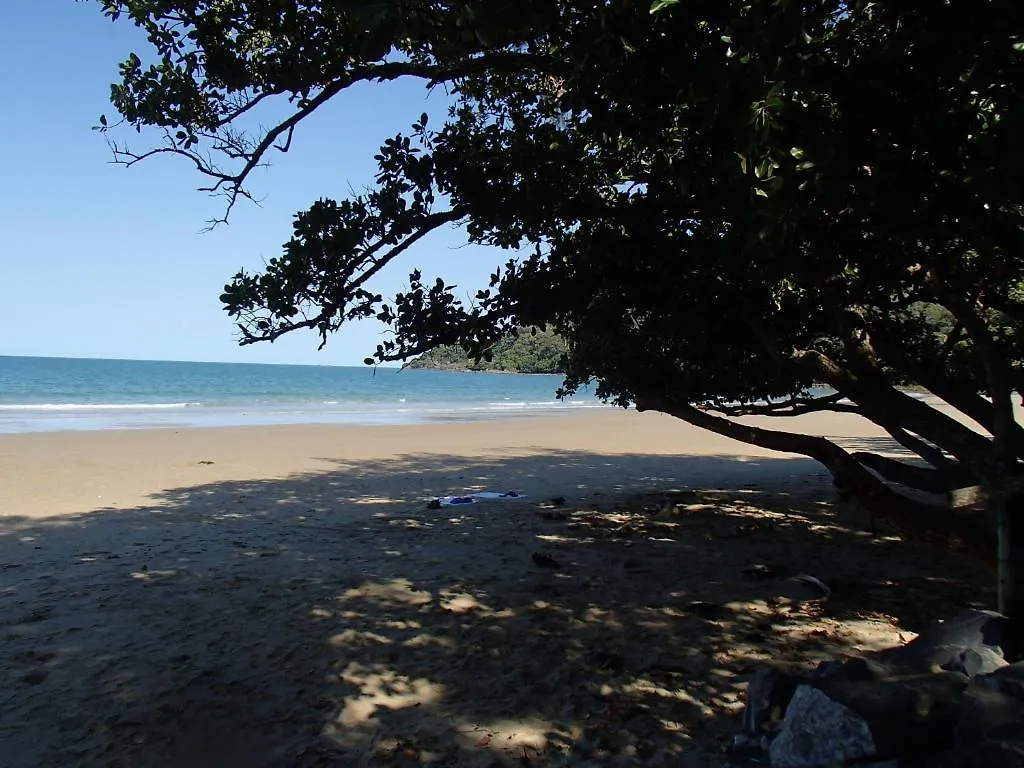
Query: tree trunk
962	398
918	478
932	523
926	451
885	405
1006	507
1011	571
875	495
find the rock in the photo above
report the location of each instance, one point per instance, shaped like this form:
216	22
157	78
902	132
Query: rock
545	561
985	715
971	498
946	699
906	716
764	571
861	669
707	611
819	731
554	516
1009	680
969	644
953	658
991	755
976	661
745	751
768	695
971	629
946	644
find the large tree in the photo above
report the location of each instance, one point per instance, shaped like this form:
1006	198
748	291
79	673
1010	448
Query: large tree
720	203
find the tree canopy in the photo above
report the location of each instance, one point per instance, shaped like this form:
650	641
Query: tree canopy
719	203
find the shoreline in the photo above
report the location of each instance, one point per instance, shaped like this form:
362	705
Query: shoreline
78	471
49	418
288	425
69	418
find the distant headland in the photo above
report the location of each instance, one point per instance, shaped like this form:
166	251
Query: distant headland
532	350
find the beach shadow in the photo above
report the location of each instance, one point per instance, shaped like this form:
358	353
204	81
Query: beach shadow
331	618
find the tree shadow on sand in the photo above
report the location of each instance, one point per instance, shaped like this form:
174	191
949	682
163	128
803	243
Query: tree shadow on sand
323	620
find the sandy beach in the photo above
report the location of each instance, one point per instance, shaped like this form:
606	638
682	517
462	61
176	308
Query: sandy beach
283	596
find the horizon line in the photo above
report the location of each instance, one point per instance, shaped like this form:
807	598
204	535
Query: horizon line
202	362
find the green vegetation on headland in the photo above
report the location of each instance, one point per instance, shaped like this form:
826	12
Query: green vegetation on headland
530	351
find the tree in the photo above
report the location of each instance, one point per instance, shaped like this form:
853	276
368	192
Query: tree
719	203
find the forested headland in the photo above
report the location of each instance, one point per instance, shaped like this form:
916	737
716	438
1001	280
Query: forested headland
530	351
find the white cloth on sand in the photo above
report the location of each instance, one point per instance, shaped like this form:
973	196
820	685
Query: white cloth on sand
454	501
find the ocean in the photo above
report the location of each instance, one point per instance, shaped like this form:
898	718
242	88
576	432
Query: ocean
42	394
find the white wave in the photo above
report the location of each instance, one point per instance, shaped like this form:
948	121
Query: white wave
92	406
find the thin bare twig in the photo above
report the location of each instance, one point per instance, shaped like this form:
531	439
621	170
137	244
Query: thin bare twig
238	147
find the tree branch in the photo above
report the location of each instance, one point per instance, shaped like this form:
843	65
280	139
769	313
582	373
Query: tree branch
795	406
884	404
955	335
933	378
430	223
919	478
233	184
930	521
241	109
842	465
326	319
925	450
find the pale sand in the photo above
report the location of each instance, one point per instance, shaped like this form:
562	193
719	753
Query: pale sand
295	603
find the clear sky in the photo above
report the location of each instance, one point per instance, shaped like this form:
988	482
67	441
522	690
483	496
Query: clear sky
98	260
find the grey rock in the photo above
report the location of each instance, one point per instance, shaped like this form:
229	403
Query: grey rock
986	715
990	755
982	660
948	699
745	750
976	661
906	716
768	695
1008	680
971	498
945	644
863	669
969	644
819	731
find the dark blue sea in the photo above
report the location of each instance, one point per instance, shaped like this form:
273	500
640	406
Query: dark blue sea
39	394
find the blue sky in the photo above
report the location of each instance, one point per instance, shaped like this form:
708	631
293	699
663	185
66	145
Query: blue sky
102	261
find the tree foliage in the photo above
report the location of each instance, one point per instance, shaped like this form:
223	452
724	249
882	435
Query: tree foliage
718	202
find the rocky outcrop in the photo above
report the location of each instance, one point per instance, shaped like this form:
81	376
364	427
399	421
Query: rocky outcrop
948	699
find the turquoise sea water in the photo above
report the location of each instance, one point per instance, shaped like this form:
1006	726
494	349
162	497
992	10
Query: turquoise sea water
45	394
